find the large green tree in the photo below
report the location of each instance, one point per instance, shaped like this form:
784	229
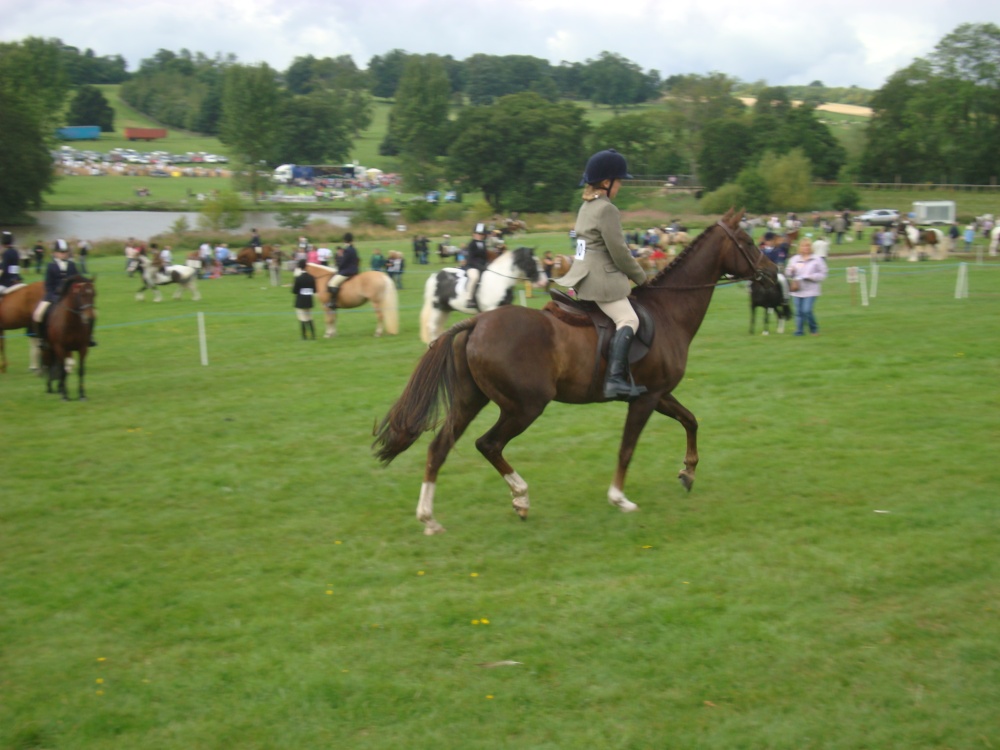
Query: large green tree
938	119
33	87
314	129
90	107
385	72
523	152
645	138
418	123
251	118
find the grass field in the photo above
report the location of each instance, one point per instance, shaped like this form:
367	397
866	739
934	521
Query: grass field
209	557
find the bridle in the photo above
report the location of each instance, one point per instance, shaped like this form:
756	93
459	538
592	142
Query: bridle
75	296
756	272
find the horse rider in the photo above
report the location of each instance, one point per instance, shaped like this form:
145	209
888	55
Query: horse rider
347	266
60	269
603	265
256	244
475	262
10	263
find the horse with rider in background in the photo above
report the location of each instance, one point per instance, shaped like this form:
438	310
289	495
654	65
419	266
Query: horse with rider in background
446	291
252	255
68	328
154	276
376	287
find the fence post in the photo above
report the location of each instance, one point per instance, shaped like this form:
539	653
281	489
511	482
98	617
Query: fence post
203	342
962	282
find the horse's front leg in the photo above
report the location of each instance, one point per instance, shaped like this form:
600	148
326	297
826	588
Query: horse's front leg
639	412
82	395
331	323
671	407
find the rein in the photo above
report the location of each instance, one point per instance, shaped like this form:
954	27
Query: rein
755	272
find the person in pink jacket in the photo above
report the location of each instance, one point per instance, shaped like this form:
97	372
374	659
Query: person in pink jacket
805	273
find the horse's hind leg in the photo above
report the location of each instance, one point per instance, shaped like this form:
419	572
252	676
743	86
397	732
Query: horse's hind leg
467	402
671	407
512	422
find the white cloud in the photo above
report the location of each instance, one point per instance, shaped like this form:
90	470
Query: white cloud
850	42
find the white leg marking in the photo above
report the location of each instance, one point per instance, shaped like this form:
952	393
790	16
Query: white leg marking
425	510
518	490
617	498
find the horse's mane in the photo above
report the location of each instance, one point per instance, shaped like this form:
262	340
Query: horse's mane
681	257
69	282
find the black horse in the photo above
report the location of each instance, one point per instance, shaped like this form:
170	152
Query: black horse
770	297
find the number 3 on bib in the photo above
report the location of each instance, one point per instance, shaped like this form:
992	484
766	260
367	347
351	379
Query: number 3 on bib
581	249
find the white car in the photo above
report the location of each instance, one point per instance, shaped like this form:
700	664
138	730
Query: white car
881	216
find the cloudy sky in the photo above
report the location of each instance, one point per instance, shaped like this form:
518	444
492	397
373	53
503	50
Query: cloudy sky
850	42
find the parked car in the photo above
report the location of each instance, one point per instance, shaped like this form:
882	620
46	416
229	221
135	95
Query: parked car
881	216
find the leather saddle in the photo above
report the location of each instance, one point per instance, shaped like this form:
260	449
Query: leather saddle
583	313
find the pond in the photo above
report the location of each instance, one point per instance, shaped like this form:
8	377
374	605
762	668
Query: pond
99	225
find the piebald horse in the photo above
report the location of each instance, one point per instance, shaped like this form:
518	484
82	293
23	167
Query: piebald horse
521	359
153	277
374	286
16	307
446	290
929	242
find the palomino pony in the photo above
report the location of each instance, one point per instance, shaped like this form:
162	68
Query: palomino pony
153	277
447	290
521	359
16	307
68	326
374	286
770	297
248	256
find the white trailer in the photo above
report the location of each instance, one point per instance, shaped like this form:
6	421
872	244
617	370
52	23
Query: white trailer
934	212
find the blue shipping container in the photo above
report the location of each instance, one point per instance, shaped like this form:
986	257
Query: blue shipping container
79	133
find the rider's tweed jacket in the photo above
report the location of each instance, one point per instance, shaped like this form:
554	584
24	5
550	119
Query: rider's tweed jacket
603	273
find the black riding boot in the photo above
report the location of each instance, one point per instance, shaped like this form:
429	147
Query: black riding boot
312	330
618	382
302	328
334	291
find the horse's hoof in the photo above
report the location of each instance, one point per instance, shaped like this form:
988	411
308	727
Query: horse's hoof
432	528
686	481
522	513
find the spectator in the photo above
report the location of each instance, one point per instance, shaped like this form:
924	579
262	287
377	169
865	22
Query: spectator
821	247
805	273
378	260
304	290
970	235
394	267
82	251
39	252
888	242
839	227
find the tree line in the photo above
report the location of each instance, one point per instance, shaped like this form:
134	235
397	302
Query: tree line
510	127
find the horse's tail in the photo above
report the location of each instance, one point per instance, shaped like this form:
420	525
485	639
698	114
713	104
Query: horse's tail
417	410
425	320
390	305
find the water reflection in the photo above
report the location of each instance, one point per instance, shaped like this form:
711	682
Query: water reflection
106	225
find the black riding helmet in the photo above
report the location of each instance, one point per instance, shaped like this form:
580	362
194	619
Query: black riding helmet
8	238
605	165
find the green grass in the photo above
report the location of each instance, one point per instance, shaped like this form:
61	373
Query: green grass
209	557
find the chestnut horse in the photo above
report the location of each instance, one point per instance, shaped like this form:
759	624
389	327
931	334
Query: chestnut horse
16	307
248	256
522	358
68	326
374	286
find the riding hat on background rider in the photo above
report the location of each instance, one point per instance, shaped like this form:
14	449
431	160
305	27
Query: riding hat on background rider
603	265
10	263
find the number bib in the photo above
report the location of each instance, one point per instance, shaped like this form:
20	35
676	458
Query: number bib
581	249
